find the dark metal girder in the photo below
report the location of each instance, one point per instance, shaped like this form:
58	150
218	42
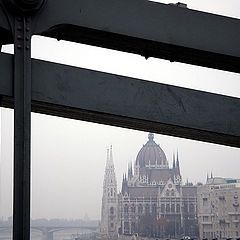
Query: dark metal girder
126	102
5	29
147	28
142	27
22	128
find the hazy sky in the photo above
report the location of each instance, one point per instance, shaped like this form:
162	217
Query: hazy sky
68	156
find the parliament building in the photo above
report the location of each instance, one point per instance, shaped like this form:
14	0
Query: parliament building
152	201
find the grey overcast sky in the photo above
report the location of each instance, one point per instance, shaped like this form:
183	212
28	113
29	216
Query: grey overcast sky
68	156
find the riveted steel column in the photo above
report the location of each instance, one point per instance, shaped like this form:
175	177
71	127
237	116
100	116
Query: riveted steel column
20	14
22	127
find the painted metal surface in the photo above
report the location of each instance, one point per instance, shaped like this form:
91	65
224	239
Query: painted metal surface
147	28
143	27
137	26
22	127
127	102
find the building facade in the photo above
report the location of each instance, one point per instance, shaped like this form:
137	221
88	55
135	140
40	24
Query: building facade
218	209
152	200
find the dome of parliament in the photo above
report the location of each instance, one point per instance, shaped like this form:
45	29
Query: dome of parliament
151	155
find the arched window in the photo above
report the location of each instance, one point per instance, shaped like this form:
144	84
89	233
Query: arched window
140	208
147	209
168	208
111	210
126	227
185	207
154	209
167	193
125	208
111	192
133	208
178	208
172	192
133	228
162	208
172	207
191	208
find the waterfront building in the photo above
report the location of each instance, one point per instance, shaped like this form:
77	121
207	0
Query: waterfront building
218	208
152	200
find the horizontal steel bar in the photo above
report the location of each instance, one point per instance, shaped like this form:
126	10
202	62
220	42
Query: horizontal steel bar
143	27
147	28
5	28
126	102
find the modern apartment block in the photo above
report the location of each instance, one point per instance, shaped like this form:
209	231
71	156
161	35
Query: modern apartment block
218	208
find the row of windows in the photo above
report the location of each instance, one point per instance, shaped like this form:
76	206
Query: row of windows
139	209
165	208
170	208
220	234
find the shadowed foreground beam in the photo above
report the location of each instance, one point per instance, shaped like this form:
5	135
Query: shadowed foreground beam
147	28
126	102
142	27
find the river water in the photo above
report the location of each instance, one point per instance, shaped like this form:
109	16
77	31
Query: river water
66	234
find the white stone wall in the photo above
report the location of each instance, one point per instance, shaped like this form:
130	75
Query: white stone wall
219	211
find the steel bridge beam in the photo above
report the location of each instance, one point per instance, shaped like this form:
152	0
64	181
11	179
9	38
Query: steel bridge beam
83	94
143	27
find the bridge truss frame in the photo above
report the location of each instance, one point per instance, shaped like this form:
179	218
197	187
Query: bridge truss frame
138	26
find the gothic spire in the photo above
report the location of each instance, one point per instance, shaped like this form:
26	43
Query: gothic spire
111	155
109	176
177	160
174	163
130	172
109	192
107	155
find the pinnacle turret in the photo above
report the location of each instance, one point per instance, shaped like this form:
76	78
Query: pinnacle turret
130	171
150	137
109	199
174	162
177	163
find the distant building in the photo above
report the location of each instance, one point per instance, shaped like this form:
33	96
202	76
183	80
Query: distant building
109	214
218	208
152	200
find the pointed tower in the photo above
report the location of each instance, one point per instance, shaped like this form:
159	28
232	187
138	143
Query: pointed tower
176	169
174	163
207	177
177	165
109	199
124	184
130	171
